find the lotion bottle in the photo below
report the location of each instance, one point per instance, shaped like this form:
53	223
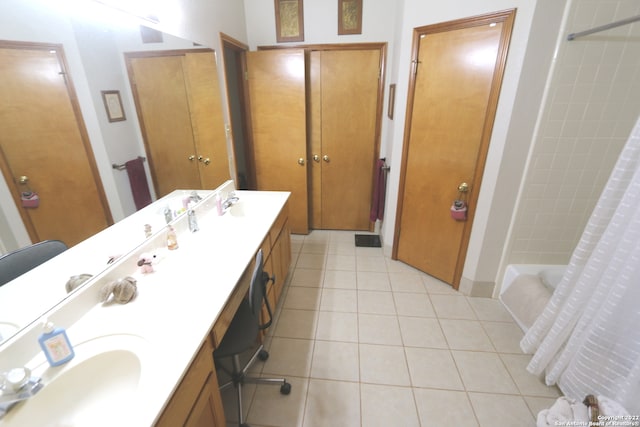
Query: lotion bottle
55	345
172	239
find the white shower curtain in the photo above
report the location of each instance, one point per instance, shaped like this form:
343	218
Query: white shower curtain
587	339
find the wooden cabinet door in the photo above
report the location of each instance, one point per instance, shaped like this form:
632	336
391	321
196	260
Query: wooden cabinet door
205	412
276	81
163	110
343	96
43	138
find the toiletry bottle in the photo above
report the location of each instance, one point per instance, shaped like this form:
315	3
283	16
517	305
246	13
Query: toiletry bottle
219	204
56	345
168	215
193	221
172	239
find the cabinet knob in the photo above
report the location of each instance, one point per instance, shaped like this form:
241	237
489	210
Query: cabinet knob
192	157
206	161
316	158
301	161
325	158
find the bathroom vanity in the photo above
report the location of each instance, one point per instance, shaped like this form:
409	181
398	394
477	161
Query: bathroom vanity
149	362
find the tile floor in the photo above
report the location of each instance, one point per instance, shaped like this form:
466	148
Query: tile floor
368	341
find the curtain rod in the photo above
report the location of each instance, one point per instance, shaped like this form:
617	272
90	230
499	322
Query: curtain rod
604	27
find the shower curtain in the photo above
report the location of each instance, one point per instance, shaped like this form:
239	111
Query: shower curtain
587	339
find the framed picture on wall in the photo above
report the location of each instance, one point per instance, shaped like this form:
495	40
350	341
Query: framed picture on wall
113	105
289	21
349	17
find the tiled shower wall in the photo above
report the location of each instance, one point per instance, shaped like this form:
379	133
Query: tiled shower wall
592	104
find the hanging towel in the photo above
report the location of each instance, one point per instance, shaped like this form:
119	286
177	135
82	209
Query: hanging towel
377	205
138	182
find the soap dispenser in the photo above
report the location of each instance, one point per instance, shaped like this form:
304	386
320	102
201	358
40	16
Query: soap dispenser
172	239
55	345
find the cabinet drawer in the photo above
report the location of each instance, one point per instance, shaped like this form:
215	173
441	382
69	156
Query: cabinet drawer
226	316
279	223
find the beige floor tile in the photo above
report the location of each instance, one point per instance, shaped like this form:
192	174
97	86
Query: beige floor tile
490	309
484	372
369	252
333	360
370	263
271	408
383	364
527	383
398	266
407	282
301	298
339	279
296	324
379	329
435	286
537	404
318	235
337	326
311	247
344	236
384	406
373	281
307	277
312	261
505	336
230	401
411	304
500	410
432	368
376	302
466	335
332	403
342	248
452	307
341	262
288	357
422	332
444	408
345	300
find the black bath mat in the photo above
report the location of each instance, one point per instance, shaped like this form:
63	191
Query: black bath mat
368	240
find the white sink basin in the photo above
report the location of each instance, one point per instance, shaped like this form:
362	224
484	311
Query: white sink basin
99	387
7	329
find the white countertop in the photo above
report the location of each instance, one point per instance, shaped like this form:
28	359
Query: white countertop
176	306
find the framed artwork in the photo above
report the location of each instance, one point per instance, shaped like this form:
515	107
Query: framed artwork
113	105
289	21
349	17
392	100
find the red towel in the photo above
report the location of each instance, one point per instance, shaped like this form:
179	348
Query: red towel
138	182
377	206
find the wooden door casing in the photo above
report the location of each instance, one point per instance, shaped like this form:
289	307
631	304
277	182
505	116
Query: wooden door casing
276	87
453	95
44	138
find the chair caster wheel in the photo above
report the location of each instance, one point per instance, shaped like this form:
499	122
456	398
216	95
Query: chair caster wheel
263	355
285	388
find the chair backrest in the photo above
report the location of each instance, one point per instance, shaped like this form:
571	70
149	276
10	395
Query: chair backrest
20	261
257	291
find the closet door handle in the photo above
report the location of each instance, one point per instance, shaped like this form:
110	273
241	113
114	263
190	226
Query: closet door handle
325	158
191	157
206	161
301	161
316	158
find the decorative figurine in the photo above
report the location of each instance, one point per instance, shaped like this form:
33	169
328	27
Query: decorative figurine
145	262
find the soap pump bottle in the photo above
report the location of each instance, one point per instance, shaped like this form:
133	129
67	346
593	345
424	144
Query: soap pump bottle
172	239
55	345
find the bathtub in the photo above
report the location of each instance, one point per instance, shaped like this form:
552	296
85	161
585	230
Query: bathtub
526	289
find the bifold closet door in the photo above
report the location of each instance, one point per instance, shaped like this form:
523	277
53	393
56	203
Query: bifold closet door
343	95
276	85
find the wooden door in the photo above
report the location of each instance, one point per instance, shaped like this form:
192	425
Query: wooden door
346	85
43	138
451	107
206	116
276	81
163	111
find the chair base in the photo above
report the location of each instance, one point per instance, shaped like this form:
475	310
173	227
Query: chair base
239	377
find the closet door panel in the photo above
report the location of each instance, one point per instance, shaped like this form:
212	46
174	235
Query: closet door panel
349	98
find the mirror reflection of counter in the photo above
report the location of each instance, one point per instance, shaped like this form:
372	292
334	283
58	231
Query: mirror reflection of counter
27	297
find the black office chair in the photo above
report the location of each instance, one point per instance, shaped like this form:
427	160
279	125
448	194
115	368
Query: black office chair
241	336
20	261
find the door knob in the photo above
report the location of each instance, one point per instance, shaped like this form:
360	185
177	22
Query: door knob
191	157
316	158
463	188
325	158
23	179
301	161
206	161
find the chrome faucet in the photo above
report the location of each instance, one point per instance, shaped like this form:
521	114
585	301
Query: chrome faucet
231	200
17	385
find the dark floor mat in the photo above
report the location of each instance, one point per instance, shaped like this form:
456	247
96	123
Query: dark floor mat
368	240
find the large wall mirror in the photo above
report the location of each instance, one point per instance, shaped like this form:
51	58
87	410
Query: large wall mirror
104	52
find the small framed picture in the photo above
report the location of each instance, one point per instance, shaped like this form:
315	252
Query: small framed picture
289	21
113	105
349	17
